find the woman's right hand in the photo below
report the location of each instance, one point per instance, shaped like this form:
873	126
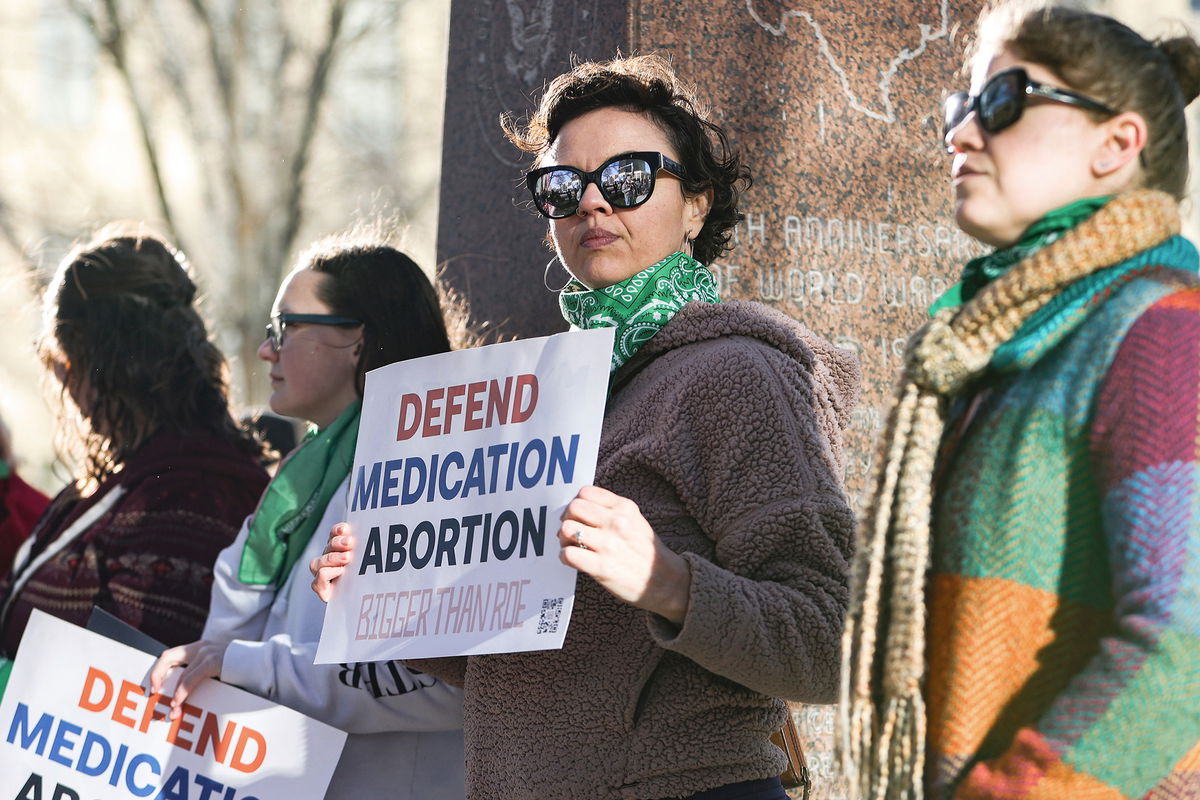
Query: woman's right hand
329	566
198	661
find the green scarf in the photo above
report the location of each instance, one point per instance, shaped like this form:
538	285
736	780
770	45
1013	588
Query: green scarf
639	306
979	272
296	499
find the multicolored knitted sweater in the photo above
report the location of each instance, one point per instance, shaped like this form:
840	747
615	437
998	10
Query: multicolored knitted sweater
1064	599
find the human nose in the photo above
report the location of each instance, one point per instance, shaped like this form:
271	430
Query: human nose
593	200
966	135
266	350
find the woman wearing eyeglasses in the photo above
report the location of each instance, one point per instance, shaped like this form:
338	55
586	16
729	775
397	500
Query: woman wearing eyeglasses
713	551
165	474
1026	617
349	307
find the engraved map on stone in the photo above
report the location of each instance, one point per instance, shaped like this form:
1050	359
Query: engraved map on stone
874	101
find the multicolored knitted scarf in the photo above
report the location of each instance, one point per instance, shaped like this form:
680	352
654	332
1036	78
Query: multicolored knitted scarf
881	719
639	306
295	500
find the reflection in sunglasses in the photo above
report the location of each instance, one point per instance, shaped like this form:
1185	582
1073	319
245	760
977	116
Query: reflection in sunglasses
625	181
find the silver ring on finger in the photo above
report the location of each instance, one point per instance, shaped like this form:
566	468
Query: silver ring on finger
579	539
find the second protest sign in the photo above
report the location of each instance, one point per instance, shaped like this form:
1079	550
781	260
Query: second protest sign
464	464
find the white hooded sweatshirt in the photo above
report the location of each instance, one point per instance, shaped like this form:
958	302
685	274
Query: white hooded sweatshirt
405	728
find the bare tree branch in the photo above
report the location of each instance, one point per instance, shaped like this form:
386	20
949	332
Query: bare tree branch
369	25
225	77
316	93
81	10
111	39
244	86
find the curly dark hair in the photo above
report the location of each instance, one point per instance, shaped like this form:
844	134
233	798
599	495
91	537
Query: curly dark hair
123	336
648	85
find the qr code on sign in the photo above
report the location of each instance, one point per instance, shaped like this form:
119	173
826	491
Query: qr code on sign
551	610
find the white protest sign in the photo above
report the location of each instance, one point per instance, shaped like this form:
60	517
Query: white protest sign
464	465
77	725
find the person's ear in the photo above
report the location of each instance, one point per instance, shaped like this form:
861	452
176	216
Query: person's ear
1124	139
696	208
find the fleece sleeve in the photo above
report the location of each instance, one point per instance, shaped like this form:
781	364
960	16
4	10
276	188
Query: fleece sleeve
452	670
754	464
1128	725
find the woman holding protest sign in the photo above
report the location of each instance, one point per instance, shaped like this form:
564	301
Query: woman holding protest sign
714	549
1026	609
348	308
167	475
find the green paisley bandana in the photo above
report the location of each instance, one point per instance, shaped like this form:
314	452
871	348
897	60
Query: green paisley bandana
979	272
295	500
639	306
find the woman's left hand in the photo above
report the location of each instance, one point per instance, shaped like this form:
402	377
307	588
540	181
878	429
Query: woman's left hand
200	660
605	535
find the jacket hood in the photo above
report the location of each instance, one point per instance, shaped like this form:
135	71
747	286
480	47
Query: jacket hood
836	372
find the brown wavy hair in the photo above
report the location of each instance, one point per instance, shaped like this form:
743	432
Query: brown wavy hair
373	282
122	335
1105	59
648	85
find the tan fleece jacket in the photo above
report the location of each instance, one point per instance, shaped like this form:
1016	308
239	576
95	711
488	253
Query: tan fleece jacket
729	440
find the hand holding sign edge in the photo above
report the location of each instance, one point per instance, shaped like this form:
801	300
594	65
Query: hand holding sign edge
331	565
620	550
200	660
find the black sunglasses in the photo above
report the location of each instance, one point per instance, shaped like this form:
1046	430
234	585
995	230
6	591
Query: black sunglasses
1002	100
625	181
277	327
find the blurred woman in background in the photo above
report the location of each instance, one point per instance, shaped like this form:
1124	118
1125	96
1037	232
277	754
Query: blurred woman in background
166	475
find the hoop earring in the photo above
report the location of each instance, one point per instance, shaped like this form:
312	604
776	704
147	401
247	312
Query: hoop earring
688	244
546	276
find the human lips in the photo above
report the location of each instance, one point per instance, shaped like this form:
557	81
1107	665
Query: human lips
596	238
964	170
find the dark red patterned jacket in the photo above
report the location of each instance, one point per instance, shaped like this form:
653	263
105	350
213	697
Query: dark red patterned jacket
141	546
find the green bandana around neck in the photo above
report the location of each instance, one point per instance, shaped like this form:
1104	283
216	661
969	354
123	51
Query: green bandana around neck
639	306
981	271
295	500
